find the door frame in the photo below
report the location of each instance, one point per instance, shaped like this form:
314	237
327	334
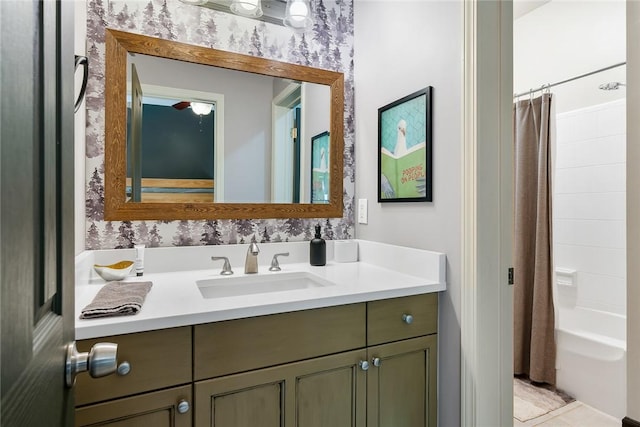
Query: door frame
487	229
217	99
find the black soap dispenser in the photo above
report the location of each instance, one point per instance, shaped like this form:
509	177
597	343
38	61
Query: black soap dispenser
318	250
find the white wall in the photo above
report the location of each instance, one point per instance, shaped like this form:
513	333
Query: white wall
563	39
589	217
633	211
401	47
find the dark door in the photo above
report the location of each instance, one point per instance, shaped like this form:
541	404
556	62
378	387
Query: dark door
36	211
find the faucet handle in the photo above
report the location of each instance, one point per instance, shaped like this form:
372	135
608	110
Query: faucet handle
226	268
275	266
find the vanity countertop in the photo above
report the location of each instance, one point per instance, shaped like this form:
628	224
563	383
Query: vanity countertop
175	300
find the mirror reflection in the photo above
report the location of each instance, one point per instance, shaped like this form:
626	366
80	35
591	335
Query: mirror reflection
272	137
198	134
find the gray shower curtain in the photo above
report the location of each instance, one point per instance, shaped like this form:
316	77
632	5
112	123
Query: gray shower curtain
533	311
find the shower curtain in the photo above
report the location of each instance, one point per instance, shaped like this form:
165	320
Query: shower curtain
533	311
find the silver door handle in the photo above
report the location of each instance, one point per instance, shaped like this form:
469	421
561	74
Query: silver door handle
100	361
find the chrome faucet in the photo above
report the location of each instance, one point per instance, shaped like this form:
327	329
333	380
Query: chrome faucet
251	262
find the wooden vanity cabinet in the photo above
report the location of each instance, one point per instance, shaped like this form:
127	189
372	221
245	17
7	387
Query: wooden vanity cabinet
360	365
385	380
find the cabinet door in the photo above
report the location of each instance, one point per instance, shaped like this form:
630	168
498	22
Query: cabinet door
330	391
326	391
157	409
401	384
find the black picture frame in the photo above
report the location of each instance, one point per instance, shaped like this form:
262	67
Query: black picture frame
320	170
405	149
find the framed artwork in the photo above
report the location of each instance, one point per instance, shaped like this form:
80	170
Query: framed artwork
320	162
405	149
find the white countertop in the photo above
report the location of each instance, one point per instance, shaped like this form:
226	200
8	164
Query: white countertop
175	300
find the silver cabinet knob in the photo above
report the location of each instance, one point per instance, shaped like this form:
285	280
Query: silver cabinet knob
407	318
99	362
376	361
364	365
124	368
183	407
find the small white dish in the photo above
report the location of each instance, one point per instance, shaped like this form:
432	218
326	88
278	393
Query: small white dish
117	271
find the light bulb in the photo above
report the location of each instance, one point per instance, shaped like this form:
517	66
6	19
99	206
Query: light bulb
299	11
298	15
248	8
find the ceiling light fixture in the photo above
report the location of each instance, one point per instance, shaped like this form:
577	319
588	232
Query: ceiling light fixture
248	8
201	108
298	15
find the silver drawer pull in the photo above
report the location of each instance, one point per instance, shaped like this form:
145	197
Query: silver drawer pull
364	365
183	407
124	368
407	318
376	362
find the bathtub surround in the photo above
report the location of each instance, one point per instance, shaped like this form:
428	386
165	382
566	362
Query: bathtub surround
533	337
589	237
328	45
589	215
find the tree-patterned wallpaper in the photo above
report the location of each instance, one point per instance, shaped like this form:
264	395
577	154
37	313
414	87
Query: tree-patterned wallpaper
328	45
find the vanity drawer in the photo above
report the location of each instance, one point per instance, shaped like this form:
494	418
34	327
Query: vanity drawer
233	346
386	321
158	359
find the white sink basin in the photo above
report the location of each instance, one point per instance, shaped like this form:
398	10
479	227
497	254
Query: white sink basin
220	287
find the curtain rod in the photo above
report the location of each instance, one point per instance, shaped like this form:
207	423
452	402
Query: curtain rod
548	86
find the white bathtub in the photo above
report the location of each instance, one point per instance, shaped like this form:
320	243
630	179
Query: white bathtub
591	358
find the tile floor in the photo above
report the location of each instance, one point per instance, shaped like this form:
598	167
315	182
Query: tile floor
574	414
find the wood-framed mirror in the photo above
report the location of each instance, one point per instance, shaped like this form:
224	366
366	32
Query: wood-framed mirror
131	193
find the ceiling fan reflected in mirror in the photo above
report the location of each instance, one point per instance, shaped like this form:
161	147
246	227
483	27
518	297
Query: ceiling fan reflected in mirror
199	108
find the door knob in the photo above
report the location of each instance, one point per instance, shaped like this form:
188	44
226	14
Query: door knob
364	365
100	361
376	362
